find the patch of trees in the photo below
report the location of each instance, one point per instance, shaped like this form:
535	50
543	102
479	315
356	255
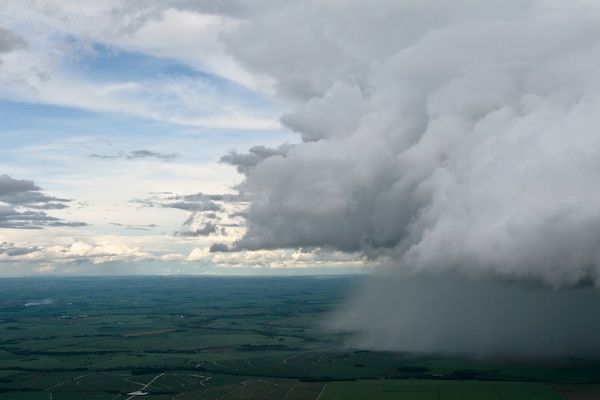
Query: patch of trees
325	379
157	369
465	374
412	370
12	390
262	347
21	352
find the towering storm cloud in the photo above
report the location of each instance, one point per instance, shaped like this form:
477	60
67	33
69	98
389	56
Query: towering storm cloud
457	144
438	135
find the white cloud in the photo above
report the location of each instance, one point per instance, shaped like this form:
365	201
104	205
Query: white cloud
60	34
77	252
278	258
193	38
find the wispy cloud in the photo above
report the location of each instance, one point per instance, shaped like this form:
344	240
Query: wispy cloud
137	155
201	85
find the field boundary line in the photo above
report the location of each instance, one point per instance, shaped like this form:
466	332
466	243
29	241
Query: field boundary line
322	391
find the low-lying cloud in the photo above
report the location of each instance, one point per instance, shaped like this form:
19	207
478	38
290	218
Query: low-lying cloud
23	205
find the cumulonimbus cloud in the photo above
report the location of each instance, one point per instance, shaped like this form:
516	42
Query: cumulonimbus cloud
455	143
459	136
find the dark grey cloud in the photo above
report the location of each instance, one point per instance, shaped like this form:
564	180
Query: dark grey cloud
9	41
13	250
207	205
209	213
137	155
145	227
23	205
10	217
196	202
23	192
246	161
206	230
219	248
104	157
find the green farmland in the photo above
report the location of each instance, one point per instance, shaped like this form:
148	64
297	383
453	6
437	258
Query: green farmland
232	338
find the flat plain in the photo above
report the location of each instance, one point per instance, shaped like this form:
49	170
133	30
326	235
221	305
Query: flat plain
233	338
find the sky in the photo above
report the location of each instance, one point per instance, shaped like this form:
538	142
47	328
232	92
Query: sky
114	117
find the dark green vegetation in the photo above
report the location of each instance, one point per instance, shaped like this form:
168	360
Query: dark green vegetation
231	338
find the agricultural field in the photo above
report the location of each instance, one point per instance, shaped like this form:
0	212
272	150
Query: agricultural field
232	338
